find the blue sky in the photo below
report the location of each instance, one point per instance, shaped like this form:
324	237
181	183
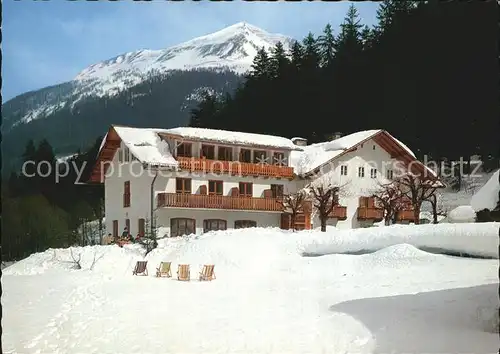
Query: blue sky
49	42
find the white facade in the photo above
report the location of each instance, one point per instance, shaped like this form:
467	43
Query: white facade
141	180
353	172
355	162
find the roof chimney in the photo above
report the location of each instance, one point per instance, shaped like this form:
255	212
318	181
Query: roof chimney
299	141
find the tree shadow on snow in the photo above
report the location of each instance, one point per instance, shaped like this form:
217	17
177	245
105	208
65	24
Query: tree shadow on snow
445	321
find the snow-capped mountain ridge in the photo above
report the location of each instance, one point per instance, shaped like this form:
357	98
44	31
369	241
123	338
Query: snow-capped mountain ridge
230	49
233	48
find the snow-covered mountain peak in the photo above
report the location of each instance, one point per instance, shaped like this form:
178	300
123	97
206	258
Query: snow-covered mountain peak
232	48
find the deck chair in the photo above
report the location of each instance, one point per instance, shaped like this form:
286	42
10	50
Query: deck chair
207	273
140	268
183	273
164	269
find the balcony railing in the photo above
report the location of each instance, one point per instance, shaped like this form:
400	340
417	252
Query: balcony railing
405	215
178	200
374	214
339	212
234	167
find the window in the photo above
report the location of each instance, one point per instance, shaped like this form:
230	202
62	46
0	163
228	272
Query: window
182	226
343	170
141	227
246	189
260	157
373	147
127	225
241	224
185	150
115	228
390	174
214	225
183	185
245	155
126	154
361	172
225	153
215	187
126	194
208	151
277	190
279	159
373	173
120	155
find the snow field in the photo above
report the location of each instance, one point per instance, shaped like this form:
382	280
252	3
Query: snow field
267	298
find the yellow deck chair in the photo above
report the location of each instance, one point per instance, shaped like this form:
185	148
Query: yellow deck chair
207	273
164	269
183	272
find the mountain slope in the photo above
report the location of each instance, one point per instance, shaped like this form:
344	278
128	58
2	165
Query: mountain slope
230	49
142	88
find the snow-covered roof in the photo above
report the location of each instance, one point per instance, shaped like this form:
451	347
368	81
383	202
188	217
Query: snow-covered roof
315	155
487	196
231	137
146	145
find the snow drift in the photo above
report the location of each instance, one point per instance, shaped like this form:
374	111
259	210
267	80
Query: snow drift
234	250
487	196
475	239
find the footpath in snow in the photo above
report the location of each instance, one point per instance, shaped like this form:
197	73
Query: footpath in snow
373	290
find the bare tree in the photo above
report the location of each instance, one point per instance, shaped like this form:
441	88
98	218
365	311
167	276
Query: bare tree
149	240
390	197
417	190
325	198
294	203
437	207
76	260
95	260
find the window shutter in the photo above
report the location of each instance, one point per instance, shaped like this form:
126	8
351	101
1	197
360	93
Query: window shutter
161	199
141	227
285	221
115	228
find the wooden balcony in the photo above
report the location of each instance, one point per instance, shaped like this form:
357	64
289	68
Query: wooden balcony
372	214
177	200
339	212
406	215
234	167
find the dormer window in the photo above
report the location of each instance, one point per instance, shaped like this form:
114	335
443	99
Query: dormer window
185	150
120	155
126	154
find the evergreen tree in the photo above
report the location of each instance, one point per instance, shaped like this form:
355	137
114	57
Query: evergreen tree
261	65
278	61
326	43
297	54
311	52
